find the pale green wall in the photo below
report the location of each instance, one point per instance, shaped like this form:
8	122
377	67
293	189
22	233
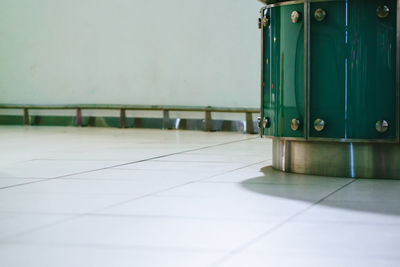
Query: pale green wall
174	52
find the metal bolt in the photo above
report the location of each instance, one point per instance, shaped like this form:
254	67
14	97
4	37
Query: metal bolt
295	125
266	122
320	14
295	16
265	21
382	126
319	125
382	11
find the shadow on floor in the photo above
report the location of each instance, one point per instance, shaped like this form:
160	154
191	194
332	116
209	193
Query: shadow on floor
367	195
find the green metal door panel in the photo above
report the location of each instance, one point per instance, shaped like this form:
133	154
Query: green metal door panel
327	69
283	76
372	72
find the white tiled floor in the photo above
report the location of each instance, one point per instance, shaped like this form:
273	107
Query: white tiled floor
112	197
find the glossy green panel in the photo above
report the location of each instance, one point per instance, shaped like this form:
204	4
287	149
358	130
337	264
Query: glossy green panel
327	69
353	69
283	77
372	69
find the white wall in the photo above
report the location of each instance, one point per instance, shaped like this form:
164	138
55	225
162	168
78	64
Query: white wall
172	52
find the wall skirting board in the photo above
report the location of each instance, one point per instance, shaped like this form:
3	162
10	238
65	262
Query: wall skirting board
133	116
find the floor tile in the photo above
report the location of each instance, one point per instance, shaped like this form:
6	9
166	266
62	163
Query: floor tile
364	201
337	244
11	201
263	173
16	223
215	208
153	176
6	182
181	198
84	256
138	187
187	166
233	191
43	173
149	231
290	259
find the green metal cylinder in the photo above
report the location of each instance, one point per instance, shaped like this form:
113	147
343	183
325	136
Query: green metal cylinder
330	72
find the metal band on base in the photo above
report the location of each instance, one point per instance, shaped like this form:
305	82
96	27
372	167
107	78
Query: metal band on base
361	160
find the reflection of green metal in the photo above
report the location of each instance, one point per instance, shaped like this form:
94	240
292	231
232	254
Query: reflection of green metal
11	120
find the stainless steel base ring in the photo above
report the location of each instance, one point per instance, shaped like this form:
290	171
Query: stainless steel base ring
357	160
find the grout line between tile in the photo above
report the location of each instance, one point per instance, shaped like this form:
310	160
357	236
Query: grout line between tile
175	186
125	164
276	227
72	217
119	247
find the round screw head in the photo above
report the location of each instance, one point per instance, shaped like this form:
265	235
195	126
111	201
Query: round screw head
320	14
319	125
295	16
382	126
382	11
295	125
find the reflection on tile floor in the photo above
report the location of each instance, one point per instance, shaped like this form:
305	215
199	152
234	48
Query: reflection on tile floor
113	197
